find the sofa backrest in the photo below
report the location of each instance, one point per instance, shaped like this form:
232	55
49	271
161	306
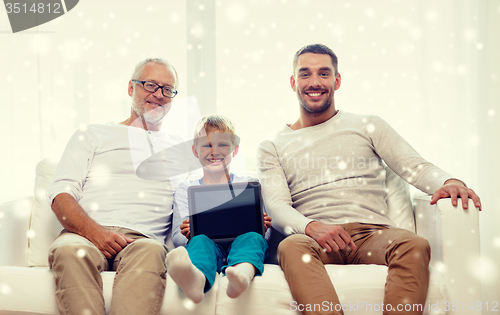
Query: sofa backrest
44	226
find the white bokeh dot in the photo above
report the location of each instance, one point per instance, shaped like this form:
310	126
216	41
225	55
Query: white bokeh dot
469	35
342	165
197	30
496	242
80	253
188	304
306	258
236	12
370	13
5	289
441	267
31	233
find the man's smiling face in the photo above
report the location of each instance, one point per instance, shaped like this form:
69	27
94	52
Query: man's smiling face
315	81
152	106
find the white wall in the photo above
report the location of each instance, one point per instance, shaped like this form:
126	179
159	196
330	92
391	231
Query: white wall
75	70
430	68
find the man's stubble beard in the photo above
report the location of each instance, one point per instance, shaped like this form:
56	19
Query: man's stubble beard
310	110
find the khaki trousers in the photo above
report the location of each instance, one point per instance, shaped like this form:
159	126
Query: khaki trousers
406	254
139	284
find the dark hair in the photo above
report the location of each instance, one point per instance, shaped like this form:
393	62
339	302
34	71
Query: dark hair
316	49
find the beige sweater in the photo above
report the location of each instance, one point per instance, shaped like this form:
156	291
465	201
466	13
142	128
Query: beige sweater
333	172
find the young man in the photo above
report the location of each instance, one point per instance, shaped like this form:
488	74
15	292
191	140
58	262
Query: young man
194	267
113	219
334	204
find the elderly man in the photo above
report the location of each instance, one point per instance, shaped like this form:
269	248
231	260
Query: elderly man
323	181
112	218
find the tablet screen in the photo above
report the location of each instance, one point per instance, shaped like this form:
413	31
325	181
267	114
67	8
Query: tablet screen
222	213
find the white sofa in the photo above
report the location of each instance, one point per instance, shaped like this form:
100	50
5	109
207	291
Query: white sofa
28	226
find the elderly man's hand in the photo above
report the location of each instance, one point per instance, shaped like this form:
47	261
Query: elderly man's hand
109	243
330	237
454	188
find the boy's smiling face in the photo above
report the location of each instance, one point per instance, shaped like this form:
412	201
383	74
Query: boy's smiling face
215	151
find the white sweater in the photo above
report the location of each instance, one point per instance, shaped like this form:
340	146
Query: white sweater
98	168
333	173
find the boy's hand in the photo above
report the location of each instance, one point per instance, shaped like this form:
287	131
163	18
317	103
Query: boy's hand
186	229
267	221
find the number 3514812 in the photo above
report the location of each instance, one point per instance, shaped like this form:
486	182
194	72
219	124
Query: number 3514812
34	8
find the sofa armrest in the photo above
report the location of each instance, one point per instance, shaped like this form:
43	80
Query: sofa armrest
14	226
453	234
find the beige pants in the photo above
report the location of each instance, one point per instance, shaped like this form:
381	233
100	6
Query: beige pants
406	254
139	284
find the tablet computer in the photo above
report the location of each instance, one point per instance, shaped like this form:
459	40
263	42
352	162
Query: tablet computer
224	211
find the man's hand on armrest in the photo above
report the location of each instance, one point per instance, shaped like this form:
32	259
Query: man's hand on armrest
454	188
330	237
75	219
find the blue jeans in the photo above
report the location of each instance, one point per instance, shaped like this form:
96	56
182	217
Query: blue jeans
209	256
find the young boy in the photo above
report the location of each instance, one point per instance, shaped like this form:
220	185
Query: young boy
194	267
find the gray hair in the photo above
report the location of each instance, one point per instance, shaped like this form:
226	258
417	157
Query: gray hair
140	67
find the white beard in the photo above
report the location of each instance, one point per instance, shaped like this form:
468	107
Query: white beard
152	117
155	116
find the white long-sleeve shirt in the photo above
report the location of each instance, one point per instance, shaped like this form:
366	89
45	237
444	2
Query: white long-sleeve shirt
333	173
98	168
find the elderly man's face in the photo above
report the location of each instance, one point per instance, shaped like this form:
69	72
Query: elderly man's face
152	106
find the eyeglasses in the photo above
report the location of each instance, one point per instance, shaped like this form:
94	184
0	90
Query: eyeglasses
153	87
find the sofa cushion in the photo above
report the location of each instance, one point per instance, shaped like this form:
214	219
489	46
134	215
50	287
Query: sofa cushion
14	223
270	294
267	295
32	291
44	226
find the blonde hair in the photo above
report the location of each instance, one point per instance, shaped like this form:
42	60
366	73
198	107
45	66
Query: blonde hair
214	122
